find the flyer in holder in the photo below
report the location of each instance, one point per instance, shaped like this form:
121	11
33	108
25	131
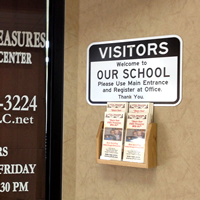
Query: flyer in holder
142	108
113	136
117	107
136	129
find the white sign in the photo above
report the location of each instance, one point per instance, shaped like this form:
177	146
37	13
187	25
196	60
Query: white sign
136	70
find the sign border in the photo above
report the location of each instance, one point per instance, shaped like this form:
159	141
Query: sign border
179	74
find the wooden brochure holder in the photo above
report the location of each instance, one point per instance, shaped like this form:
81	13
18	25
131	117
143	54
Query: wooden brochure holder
150	149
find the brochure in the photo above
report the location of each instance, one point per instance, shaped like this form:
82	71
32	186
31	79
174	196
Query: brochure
113	135
134	146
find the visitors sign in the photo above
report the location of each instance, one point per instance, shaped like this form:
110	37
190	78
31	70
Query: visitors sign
135	70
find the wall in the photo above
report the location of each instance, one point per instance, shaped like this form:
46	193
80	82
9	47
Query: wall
70	99
177	175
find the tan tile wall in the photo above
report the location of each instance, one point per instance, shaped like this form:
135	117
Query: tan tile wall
70	99
177	176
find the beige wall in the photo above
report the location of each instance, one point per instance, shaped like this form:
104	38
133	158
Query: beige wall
177	176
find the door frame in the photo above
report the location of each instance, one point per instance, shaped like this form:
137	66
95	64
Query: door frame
55	100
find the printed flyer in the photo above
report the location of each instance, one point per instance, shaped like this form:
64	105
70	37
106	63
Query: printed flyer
134	146
117	107
142	108
113	136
